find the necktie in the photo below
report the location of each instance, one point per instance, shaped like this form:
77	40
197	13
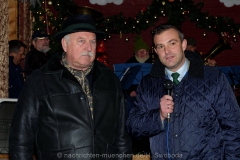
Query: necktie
175	78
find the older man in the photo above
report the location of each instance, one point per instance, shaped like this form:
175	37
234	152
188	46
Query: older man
141	51
73	107
38	55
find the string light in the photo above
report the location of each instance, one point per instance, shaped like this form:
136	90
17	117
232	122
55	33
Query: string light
147	16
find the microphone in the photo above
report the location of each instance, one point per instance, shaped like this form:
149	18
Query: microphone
168	85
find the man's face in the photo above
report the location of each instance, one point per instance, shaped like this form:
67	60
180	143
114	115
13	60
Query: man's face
142	53
19	56
212	62
191	48
78	48
170	49
41	44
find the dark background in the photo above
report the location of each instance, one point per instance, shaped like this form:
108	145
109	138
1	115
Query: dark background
119	51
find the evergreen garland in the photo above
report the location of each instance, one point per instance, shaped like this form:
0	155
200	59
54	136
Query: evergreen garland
176	12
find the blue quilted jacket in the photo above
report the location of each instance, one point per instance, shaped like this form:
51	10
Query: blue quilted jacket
205	123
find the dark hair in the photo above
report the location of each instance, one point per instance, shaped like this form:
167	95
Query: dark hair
15	45
164	27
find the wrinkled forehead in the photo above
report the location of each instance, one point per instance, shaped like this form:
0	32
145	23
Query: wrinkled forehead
83	34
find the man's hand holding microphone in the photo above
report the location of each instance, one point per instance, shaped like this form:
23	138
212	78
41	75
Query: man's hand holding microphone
166	102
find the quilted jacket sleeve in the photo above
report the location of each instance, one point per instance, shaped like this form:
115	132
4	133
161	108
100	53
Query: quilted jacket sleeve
144	119
228	113
24	125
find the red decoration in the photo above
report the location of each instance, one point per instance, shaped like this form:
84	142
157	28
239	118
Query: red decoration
101	47
101	55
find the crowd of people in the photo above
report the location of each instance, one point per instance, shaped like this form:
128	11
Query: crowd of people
71	106
33	60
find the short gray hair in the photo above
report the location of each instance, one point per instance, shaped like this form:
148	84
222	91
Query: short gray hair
67	38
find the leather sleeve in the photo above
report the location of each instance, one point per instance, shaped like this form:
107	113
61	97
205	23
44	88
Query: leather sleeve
24	124
124	142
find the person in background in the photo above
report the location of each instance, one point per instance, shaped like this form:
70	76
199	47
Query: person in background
141	51
212	62
198	117
73	107
16	55
141	55
39	52
192	45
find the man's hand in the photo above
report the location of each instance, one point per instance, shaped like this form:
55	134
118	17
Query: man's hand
166	106
133	94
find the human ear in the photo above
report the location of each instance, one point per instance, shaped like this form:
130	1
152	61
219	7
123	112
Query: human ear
184	44
64	44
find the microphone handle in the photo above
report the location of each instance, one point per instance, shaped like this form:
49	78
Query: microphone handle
169	92
168	115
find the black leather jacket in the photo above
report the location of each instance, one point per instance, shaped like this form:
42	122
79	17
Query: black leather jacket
34	60
53	111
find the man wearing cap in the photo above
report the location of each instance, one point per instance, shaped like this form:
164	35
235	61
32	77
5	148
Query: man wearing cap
141	55
141	51
73	107
191	44
38	55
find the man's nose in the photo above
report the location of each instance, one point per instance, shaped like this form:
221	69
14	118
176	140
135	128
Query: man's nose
166	50
46	40
89	46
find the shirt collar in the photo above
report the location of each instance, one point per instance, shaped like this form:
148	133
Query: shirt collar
182	71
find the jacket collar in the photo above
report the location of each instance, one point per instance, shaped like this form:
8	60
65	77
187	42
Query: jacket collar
35	51
54	65
11	61
196	68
